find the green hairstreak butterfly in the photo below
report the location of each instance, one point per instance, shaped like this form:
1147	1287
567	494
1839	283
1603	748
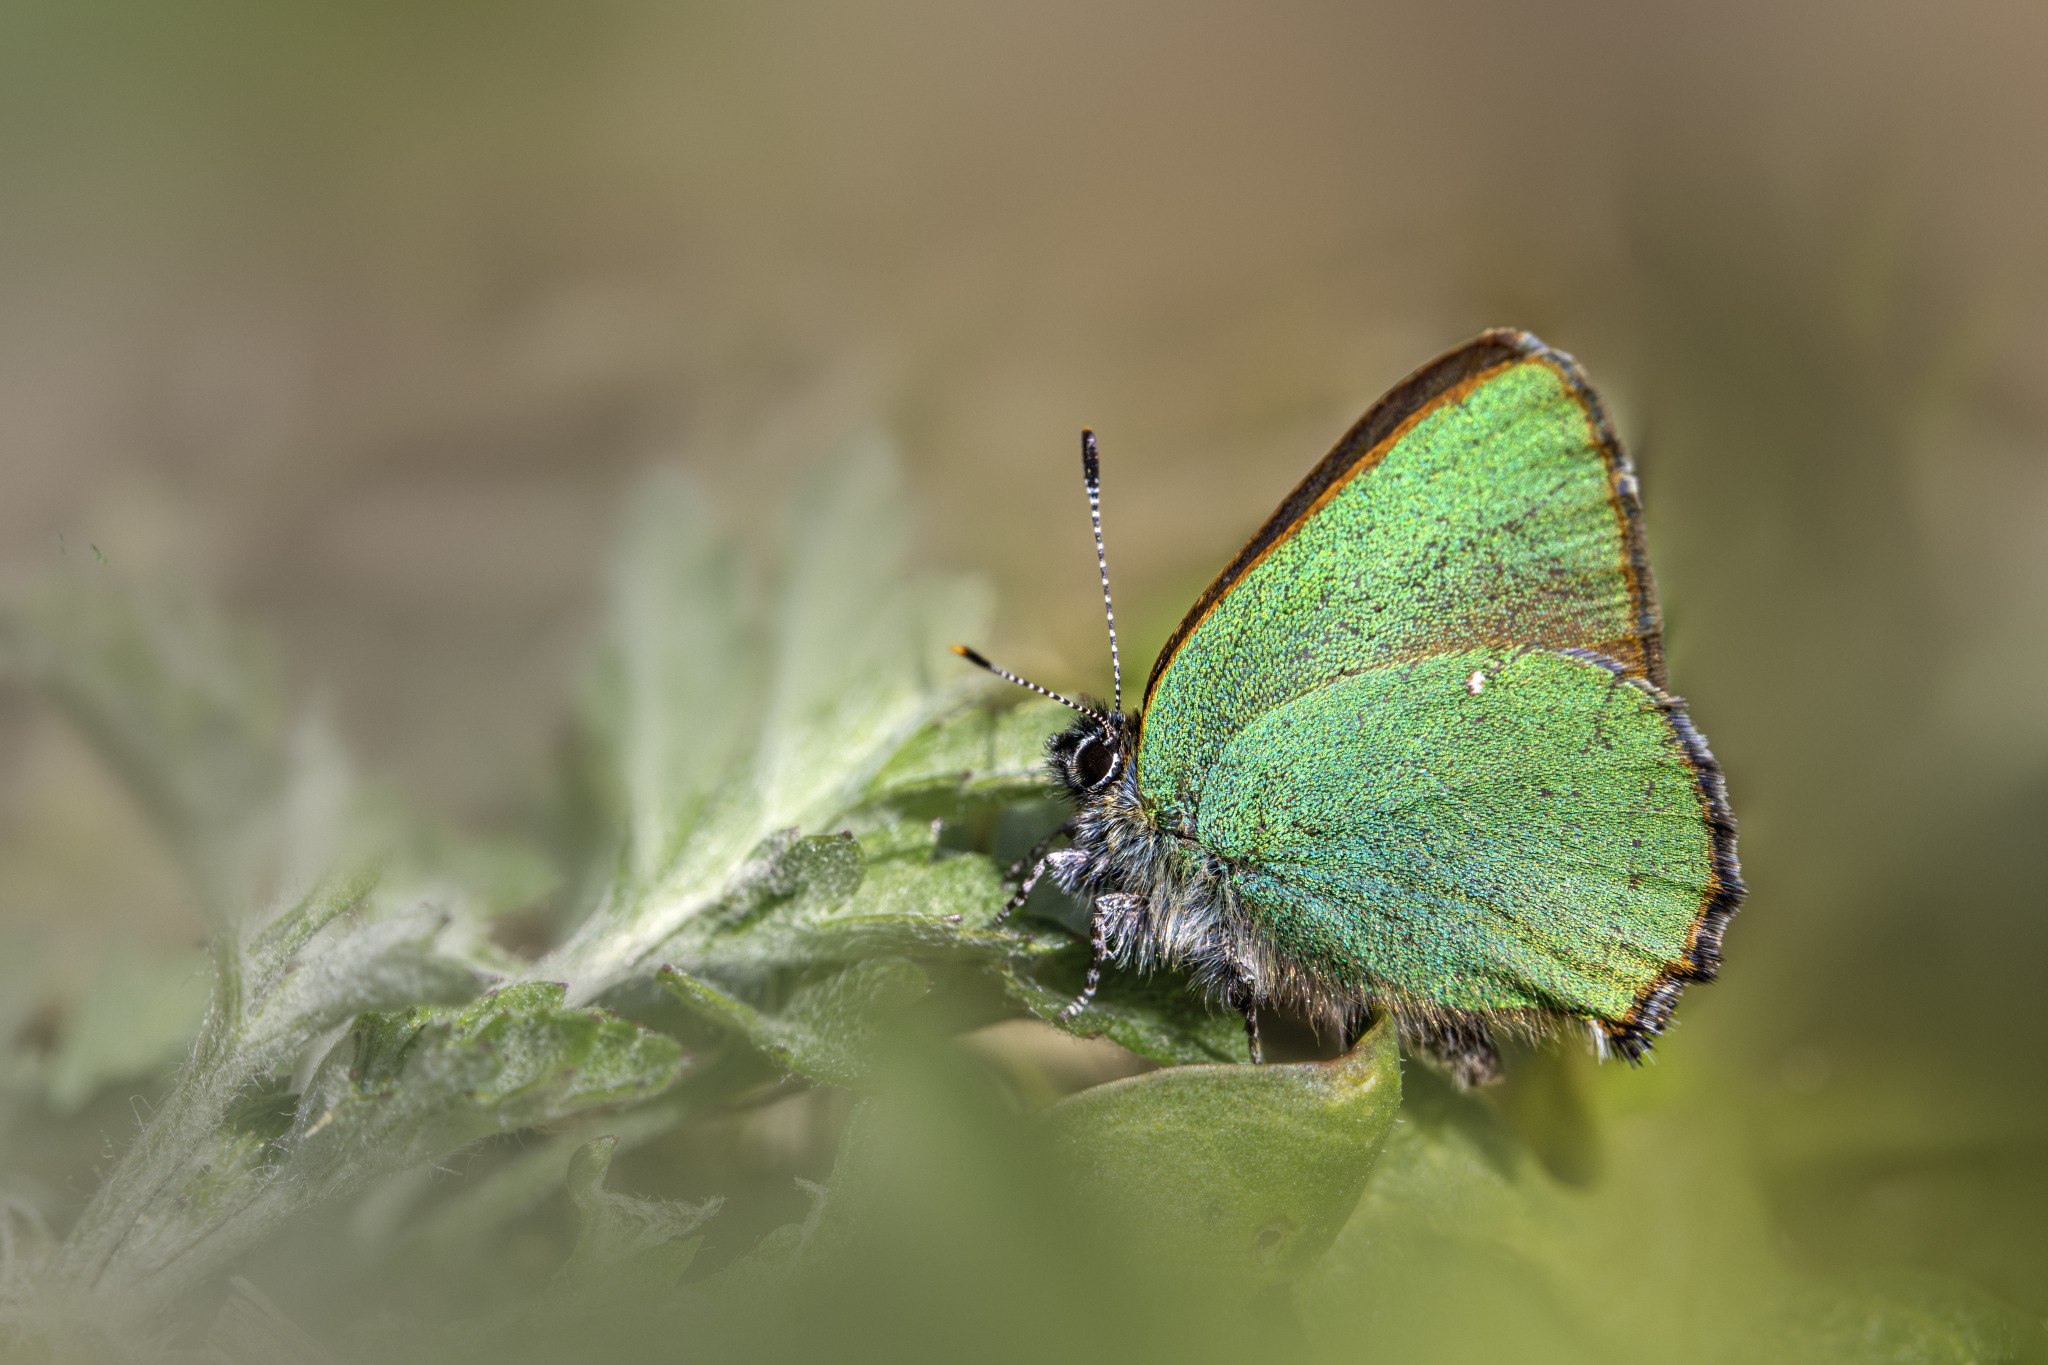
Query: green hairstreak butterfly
1412	750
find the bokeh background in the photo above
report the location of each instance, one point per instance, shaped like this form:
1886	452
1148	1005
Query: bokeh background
365	318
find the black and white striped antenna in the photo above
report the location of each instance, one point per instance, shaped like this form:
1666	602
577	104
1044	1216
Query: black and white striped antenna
975	657
1091	474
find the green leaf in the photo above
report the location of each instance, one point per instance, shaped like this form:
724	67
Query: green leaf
458	1224
1241	1174
1156	1016
833	1026
979	750
626	1248
1900	1317
790	880
802	903
1545	1098
805	902
407	1087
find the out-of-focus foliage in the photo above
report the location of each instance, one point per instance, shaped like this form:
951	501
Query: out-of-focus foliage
1235	1176
781	903
133	1021
1671	1245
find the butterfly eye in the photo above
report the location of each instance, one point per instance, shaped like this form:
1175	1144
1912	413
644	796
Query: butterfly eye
1093	764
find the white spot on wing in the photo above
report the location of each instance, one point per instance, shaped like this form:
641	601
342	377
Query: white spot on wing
1476	683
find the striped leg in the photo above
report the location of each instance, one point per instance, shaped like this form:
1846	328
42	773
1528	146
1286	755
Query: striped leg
1081	1002
1031	867
1116	917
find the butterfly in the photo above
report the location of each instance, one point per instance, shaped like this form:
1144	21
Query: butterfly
1412	751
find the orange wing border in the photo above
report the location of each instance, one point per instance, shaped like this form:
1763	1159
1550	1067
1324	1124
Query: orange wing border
1447	379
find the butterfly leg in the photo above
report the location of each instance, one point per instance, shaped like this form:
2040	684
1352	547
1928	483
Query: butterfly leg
1115	915
1228	974
1030	867
1460	1047
1080	1002
1241	998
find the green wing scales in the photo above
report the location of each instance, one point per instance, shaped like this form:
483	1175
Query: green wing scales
1469	832
1481	519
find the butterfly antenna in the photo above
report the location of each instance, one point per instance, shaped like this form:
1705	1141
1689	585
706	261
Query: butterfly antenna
974	657
1091	474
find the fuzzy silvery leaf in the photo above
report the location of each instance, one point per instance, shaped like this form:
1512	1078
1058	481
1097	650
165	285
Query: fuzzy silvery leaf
788	880
382	964
404	1087
182	706
222	1164
772	1268
854	665
801	903
860	645
485	1202
268	822
673	695
250	1330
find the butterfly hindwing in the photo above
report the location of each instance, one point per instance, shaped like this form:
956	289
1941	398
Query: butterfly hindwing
1470	833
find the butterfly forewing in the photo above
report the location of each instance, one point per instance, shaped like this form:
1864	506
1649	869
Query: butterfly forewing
1496	512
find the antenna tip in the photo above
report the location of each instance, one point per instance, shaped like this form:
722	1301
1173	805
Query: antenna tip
1091	463
964	652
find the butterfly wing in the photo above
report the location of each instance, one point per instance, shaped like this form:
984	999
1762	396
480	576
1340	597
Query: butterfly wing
1482	502
1467	834
1483	509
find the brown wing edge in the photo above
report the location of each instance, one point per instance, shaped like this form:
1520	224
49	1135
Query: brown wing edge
1701	960
1625	497
1473	1033
1442	380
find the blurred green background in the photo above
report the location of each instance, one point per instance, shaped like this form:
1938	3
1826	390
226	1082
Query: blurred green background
365	318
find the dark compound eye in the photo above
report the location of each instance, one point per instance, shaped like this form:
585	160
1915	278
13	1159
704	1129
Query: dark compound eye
1093	763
